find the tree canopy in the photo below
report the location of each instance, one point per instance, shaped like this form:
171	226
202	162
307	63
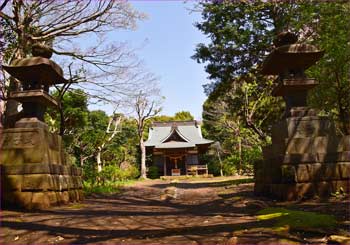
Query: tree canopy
240	110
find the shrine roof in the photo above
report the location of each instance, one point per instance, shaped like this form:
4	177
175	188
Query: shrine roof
175	134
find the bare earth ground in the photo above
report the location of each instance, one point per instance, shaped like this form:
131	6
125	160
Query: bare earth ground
212	211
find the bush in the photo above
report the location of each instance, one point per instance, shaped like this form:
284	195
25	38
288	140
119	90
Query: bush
249	157
89	172
230	165
114	173
153	172
213	163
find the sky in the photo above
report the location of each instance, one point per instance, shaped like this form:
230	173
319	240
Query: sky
168	38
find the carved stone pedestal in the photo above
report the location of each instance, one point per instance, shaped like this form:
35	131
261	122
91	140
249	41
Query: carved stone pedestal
35	172
306	159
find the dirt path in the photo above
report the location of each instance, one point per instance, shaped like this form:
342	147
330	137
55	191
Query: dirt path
212	212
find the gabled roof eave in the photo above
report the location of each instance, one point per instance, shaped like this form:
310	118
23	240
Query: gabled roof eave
171	133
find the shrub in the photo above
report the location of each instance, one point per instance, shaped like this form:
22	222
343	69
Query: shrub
153	172
114	173
213	163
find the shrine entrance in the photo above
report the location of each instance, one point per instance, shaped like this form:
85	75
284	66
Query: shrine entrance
175	165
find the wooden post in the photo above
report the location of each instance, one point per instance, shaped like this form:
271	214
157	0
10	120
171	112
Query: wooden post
164	164
175	162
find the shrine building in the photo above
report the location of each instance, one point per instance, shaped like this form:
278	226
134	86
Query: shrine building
175	147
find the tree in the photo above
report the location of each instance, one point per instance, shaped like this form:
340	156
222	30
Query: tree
111	131
110	69
241	35
332	33
73	112
224	120
178	116
146	107
217	148
100	134
183	116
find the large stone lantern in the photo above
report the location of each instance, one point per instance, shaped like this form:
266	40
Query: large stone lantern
35	171
306	157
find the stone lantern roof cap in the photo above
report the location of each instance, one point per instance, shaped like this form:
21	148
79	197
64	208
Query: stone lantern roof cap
291	57
36	69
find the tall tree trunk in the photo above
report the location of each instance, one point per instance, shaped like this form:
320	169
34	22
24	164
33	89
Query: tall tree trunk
221	166
81	161
2	107
98	160
239	167
143	158
62	122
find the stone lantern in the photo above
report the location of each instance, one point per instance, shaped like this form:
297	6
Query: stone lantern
306	157
35	171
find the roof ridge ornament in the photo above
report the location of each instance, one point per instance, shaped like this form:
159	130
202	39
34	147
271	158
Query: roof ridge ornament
174	126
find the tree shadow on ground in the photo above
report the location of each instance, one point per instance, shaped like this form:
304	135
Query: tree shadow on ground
142	218
95	236
149	214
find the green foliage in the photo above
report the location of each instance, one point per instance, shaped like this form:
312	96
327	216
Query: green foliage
224	120
233	163
332	96
240	110
213	163
86	131
108	188
183	116
179	116
297	219
113	173
241	34
153	172
75	112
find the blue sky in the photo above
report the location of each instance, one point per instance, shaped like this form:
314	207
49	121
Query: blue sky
170	42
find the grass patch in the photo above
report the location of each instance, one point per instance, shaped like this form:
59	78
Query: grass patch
297	219
224	182
76	206
107	188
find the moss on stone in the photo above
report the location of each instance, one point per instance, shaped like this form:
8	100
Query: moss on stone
297	219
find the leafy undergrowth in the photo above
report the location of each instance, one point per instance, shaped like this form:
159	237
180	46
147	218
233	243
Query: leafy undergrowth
297	220
107	188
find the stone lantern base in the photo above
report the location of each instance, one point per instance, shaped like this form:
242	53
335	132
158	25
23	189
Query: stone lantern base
306	159
35	172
